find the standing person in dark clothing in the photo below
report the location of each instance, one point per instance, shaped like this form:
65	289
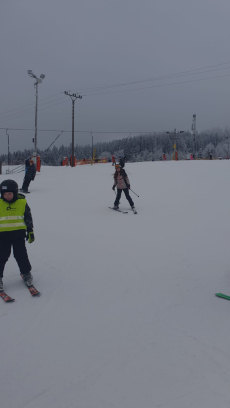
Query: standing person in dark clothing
29	176
121	162
16	225
121	181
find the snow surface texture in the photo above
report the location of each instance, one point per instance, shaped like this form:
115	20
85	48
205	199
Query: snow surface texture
128	316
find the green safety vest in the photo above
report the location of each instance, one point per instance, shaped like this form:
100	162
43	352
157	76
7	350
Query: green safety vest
12	215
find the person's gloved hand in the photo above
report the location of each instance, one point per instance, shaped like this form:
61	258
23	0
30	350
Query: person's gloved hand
128	186
30	237
113	188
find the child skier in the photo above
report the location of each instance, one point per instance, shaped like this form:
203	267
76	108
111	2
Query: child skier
15	221
121	181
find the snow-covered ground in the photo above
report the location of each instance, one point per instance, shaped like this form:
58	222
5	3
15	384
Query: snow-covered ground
128	316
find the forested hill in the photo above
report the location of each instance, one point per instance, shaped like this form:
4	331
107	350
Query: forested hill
144	147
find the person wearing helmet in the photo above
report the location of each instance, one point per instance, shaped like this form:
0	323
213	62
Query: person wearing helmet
29	176
121	181
16	224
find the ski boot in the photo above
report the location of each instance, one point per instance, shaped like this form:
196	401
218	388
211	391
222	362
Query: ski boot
28	279
1	285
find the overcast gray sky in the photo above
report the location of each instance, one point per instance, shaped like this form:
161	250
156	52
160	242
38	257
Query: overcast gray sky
87	44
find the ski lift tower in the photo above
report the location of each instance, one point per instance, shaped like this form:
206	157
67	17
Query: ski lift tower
194	134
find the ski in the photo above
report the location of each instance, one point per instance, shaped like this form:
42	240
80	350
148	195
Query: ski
6	298
134	211
123	212
24	192
223	296
32	289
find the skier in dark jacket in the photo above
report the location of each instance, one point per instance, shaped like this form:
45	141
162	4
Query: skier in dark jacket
16	224
121	162
29	176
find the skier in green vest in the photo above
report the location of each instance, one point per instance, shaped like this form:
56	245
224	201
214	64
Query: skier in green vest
16	224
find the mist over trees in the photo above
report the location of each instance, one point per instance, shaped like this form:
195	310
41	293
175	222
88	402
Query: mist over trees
145	147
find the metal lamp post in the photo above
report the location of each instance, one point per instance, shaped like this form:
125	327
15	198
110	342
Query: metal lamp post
8	136
38	81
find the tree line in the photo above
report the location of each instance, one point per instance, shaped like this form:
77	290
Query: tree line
145	147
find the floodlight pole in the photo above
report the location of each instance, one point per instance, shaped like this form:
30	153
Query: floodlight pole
38	81
73	97
8	149
36	122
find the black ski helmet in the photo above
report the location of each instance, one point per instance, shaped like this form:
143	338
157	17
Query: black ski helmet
9	186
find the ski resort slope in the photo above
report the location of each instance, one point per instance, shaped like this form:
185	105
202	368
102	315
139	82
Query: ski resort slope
127	316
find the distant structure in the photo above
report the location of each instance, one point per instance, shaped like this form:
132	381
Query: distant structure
194	134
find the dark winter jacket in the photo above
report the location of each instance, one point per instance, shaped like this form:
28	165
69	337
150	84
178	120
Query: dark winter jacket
122	162
30	172
17	234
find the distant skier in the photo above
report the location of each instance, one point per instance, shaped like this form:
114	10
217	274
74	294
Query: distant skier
121	162
29	176
16	225
113	160
121	181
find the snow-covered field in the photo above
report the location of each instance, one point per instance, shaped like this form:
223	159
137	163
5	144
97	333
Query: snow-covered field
128	316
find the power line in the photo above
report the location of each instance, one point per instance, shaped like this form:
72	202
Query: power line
31	109
119	91
76	131
158	86
26	113
190	72
32	103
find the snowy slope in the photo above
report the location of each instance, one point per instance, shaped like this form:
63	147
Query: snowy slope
128	316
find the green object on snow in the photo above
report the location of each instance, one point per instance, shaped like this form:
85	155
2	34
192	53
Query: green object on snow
223	296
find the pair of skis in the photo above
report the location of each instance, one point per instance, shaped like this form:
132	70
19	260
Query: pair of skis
124	212
33	291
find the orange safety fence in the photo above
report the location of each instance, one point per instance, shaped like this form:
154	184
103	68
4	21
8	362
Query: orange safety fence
89	161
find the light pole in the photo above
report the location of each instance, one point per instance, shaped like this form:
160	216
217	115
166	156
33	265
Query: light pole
38	81
73	97
92	144
8	149
175	133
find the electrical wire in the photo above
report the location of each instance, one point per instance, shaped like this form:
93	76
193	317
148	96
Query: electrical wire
157	86
31	109
26	113
190	72
32	103
50	104
70	131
